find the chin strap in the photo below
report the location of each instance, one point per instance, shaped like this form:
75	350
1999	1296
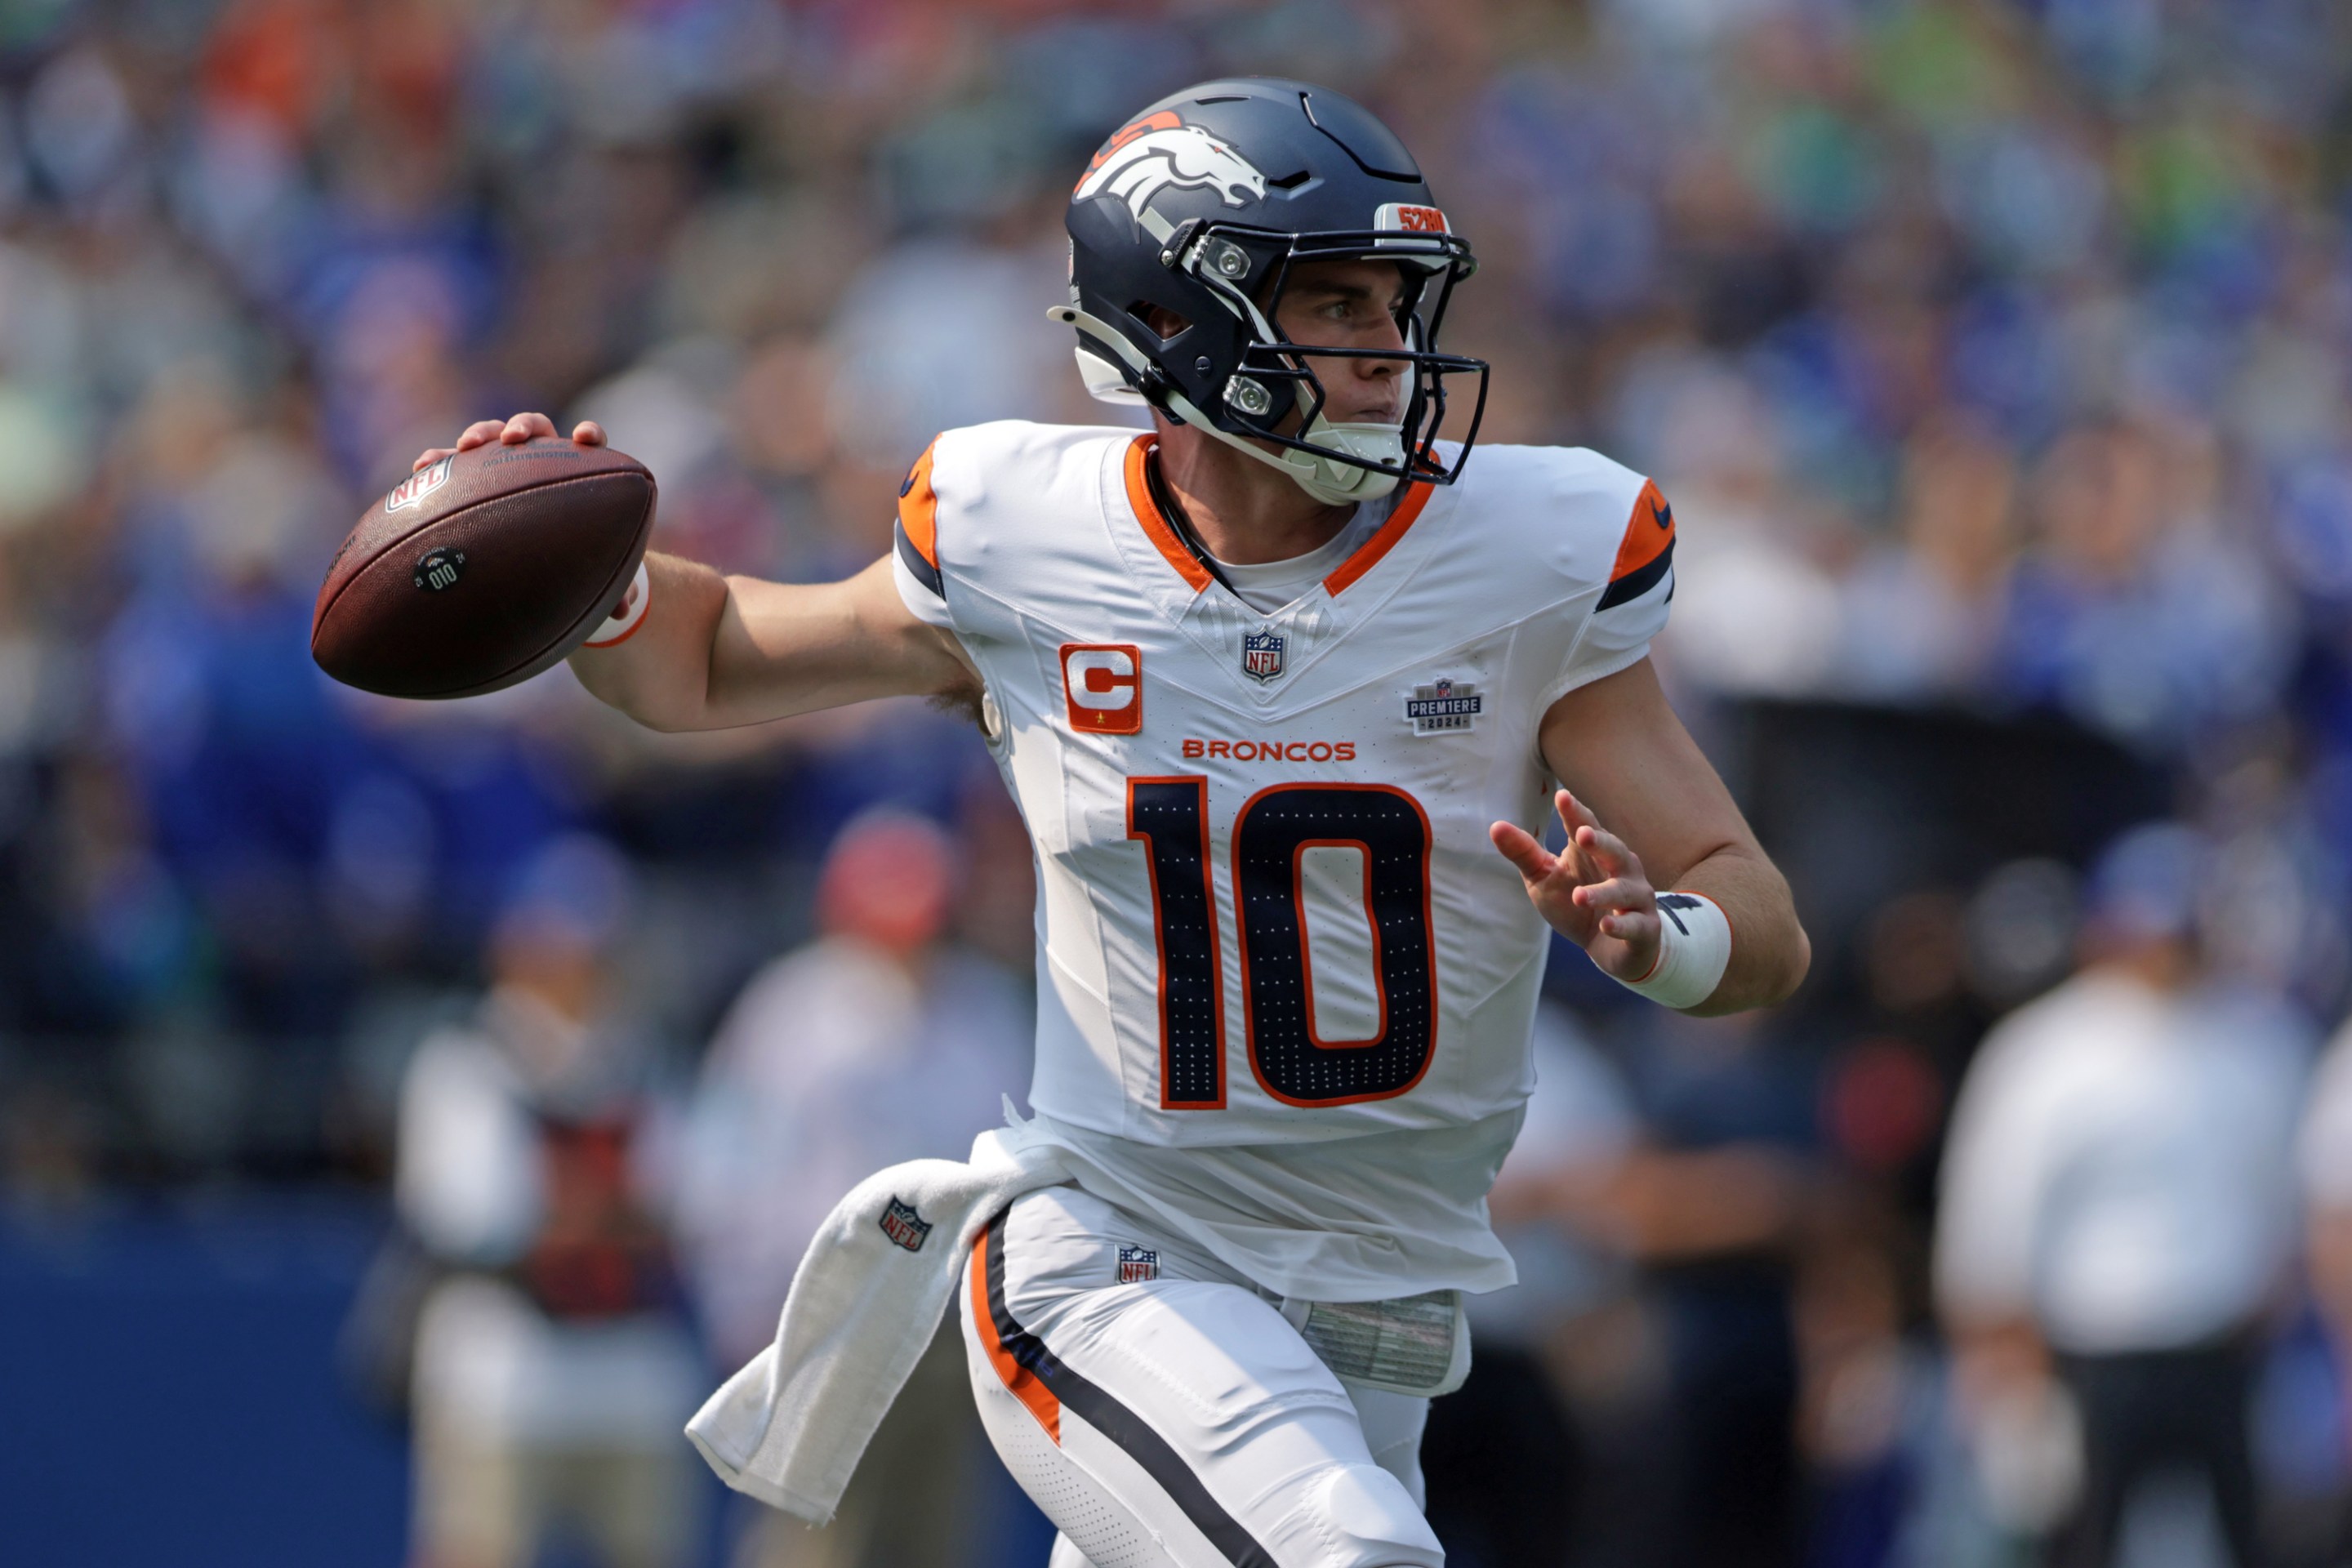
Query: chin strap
1331	482
1334	482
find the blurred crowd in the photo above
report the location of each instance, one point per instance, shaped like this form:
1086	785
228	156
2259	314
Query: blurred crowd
1994	355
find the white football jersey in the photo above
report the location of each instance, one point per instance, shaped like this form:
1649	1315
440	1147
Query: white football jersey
1286	983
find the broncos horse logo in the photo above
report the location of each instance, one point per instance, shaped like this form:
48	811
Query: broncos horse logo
1150	155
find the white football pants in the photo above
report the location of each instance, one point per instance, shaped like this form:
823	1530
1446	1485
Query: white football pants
1172	1415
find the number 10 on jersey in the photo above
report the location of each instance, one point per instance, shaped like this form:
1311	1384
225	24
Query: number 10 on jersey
1272	832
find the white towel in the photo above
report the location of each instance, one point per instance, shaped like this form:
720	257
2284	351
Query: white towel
791	1425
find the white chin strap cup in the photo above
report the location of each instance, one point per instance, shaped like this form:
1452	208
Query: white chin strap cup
1327	481
1335	483
1332	483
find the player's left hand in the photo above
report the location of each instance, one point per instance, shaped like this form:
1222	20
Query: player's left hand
511	432
1594	892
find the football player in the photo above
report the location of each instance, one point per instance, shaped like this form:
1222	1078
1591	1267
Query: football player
1283	687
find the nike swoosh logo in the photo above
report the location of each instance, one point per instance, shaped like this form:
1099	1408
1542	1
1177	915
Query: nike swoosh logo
1662	514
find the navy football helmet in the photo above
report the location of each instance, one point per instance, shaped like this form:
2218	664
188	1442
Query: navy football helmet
1203	205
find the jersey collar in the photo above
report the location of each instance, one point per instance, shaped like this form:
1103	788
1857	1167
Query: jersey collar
1164	538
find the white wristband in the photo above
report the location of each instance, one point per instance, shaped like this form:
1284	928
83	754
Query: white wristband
622	624
1693	950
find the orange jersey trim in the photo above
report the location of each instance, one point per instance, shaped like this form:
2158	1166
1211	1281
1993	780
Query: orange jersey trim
1368	553
1649	533
1158	529
1024	1384
919	508
1163	533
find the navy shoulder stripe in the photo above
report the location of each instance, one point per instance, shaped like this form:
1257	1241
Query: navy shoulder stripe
925	572
1635	583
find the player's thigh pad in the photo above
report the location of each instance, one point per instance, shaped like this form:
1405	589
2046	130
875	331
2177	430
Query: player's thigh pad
1168	1420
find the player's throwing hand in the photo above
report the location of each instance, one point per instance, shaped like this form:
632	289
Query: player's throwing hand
1594	892
513	432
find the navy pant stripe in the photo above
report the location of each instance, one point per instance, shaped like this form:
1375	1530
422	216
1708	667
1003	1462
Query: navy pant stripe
1116	1422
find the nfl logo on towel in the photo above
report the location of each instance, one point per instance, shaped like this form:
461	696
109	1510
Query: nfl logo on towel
1262	655
1137	1264
902	1225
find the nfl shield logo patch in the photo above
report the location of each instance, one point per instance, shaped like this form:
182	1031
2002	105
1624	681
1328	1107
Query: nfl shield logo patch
411	490
902	1225
1262	655
1137	1264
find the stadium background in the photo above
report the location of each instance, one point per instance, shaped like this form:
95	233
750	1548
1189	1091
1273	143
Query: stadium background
1992	351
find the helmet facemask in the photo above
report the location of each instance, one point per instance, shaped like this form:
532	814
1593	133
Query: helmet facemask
1250	380
1274	383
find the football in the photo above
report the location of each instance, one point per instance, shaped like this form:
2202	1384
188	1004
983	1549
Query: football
482	569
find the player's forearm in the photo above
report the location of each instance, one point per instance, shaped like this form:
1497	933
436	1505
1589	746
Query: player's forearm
784	647
715	652
661	676
1770	951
